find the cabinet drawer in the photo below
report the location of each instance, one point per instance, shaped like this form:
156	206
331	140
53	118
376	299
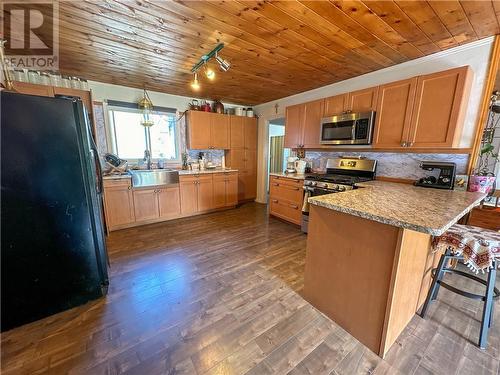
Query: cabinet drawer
117	182
195	177
287	181
294	194
286	210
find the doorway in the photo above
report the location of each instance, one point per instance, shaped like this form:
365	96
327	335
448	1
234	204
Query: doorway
277	151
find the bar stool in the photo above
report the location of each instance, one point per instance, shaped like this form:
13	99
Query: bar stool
480	250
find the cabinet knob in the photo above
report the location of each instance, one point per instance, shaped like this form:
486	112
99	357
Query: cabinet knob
411	144
403	144
129	187
275	201
294	206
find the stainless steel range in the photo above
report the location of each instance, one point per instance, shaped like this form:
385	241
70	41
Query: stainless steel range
342	174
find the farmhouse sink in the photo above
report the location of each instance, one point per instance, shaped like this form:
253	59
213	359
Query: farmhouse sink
153	177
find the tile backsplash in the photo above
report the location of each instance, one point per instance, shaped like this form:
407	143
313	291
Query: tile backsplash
215	156
397	165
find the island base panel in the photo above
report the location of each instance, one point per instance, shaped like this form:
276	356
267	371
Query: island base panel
365	275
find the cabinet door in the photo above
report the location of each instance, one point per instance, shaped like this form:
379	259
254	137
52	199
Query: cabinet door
205	193
32	89
335	105
198	128
250	133
251	161
312	119
232	189
219	182
294	120
440	104
169	202
219	131
236	159
118	204
189	196
363	100
237	131
146	204
250	186
392	121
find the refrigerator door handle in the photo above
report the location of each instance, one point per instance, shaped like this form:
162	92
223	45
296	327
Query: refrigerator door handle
97	163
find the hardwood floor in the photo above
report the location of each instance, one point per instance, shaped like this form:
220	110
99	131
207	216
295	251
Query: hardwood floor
220	294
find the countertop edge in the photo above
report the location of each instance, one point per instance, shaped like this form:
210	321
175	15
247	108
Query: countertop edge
293	176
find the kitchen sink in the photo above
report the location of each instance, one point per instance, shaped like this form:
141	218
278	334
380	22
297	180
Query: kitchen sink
153	177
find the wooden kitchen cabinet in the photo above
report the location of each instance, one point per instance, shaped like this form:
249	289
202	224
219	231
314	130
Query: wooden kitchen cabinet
118	203
394	110
294	120
286	198
335	105
225	189
364	100
208	130
146	204
243	155
302	124
439	109
169	202
313	112
205	193
196	193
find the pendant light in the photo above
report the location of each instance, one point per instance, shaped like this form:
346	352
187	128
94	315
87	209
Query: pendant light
209	73
146	106
224	64
195	84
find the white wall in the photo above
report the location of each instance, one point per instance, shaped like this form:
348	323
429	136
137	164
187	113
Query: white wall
105	91
476	55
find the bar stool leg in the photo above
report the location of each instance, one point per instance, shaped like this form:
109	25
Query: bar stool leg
434	289
488	307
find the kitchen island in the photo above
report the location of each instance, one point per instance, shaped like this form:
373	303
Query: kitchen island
369	259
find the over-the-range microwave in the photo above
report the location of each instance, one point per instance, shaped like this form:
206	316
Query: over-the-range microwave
347	129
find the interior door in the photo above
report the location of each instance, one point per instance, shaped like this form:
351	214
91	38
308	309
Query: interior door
294	121
146	204
394	110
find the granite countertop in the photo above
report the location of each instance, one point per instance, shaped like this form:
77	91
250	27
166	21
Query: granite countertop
205	171
421	209
295	176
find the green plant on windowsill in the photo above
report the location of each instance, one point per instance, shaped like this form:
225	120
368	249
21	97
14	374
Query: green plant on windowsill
487	155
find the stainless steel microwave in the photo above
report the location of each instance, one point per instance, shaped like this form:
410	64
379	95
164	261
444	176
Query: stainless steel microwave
347	129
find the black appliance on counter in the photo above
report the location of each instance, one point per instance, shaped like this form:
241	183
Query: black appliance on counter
53	248
446	178
342	174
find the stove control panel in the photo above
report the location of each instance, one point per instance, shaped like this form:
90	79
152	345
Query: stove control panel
310	185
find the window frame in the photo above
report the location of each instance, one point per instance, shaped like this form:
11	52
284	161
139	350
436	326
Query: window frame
112	105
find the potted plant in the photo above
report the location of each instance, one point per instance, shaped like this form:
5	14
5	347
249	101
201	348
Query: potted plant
483	179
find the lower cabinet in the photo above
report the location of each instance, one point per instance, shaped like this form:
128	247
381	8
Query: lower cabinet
126	207
225	190
118	203
286	197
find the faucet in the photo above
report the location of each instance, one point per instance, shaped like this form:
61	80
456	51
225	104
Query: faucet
147	158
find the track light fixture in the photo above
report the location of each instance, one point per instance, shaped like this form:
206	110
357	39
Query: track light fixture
224	64
203	63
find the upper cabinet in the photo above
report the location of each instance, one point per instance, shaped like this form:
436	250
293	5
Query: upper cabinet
394	109
208	130
439	109
362	100
421	112
302	124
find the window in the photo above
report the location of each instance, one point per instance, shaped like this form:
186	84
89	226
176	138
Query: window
128	137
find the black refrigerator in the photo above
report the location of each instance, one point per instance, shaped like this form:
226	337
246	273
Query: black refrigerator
53	254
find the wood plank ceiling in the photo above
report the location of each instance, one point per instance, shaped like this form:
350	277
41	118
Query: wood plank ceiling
276	48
